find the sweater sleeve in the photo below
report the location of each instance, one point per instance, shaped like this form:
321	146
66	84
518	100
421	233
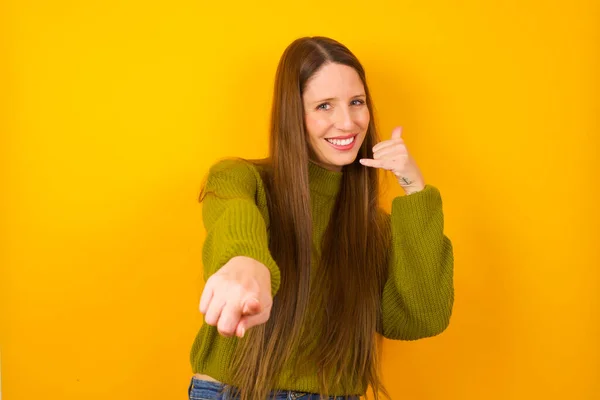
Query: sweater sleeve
234	223
419	293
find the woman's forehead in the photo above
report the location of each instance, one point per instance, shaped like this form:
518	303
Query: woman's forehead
334	81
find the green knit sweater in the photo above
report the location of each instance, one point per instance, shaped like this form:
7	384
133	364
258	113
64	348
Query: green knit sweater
417	299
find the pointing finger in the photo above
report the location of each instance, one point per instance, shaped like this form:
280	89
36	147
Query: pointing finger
251	306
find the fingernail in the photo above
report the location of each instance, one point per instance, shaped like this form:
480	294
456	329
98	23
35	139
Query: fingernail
243	332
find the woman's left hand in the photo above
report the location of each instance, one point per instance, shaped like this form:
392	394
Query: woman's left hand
392	155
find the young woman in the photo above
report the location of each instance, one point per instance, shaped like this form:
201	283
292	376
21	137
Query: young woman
304	270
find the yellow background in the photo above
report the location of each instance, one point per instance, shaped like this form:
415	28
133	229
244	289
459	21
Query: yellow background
113	111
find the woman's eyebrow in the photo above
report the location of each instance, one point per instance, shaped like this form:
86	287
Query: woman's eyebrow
335	98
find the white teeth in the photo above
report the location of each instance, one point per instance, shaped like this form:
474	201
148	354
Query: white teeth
340	142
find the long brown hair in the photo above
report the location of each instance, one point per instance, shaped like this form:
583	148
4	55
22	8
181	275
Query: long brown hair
353	264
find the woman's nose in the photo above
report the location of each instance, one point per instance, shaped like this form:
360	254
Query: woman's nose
344	120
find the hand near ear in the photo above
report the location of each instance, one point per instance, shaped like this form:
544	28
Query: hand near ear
392	155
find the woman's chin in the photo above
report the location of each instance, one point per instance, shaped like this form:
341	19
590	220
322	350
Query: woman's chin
345	160
340	162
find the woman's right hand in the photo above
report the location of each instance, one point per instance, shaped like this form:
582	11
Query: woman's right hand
237	297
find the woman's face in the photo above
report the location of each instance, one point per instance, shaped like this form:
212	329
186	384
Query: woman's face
336	115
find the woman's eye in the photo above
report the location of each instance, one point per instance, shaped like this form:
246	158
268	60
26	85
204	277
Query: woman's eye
324	106
357	102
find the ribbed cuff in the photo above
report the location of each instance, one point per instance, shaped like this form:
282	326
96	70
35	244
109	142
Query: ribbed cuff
416	206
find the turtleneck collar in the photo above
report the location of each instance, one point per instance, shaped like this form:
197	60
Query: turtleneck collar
323	181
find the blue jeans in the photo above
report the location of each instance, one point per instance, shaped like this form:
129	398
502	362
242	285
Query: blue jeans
206	390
